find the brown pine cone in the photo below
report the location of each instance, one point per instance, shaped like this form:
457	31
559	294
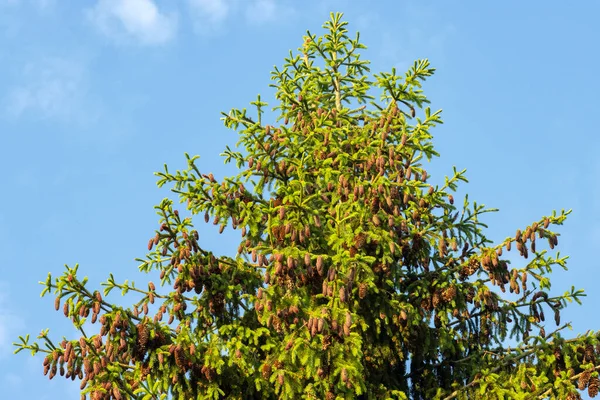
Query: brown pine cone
584	378
593	387
362	290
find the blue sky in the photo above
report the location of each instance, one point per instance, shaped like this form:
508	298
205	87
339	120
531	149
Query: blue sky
96	95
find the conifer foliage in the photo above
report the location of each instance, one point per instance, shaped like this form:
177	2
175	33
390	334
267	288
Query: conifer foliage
356	275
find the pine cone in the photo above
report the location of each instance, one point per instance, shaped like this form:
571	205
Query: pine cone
590	354
353	251
449	294
346	330
209	373
289	345
320	324
142	342
584	378
374	205
344	375
436	299
342	294
593	386
180	358
320	265
266	371
426	304
362	290
470	294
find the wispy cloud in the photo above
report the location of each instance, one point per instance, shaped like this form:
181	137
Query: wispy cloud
140	20
213	11
210	15
61	90
50	88
261	11
426	36
10	322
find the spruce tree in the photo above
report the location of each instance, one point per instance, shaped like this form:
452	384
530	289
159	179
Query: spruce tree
357	274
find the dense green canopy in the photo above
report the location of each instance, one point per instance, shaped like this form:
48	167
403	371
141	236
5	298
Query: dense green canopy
357	275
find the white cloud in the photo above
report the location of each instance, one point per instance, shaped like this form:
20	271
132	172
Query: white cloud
51	88
213	11
134	19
